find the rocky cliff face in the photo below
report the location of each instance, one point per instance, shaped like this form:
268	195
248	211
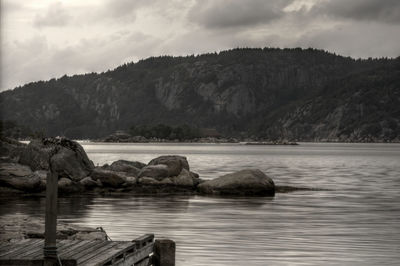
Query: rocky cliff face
271	93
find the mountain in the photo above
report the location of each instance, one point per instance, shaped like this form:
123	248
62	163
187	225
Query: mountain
295	94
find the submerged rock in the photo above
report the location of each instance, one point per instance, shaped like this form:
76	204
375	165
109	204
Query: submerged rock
22	227
245	182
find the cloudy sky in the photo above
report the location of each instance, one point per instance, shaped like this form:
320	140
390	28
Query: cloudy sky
42	39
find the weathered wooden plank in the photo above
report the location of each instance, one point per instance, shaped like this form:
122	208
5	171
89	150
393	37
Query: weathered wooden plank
18	262
131	258
144	262
5	246
90	257
38	254
90	250
80	245
111	254
19	247
68	246
32	249
143	240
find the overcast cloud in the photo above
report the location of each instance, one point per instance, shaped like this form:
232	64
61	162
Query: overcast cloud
43	39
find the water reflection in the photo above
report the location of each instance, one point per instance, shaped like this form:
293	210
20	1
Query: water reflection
356	222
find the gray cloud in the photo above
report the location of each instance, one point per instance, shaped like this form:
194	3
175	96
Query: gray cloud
125	8
55	16
234	13
99	35
373	10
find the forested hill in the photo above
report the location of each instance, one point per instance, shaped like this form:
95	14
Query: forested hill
293	94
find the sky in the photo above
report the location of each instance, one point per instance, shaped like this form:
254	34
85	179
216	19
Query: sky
44	39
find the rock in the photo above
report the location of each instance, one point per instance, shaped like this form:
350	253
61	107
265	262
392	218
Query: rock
126	166
11	150
19	177
108	178
37	155
244	182
68	158
196	175
95	235
131	180
18	227
156	171
175	163
167	181
148	181
64	183
184	179
88	182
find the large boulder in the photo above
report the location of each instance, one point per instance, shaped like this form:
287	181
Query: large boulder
132	168
159	171
108	178
175	163
19	177
184	179
68	157
11	150
88	182
244	182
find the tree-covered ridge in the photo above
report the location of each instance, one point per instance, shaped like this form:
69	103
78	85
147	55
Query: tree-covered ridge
272	93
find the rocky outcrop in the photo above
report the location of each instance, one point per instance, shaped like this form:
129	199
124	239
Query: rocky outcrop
19	177
108	178
76	173
68	157
250	182
22	227
175	163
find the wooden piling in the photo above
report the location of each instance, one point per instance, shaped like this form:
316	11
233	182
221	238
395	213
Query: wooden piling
50	244
164	252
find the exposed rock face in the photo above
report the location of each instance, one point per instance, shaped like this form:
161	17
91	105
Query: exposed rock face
158	171
174	163
184	179
126	166
267	93
19	177
11	150
68	158
108	178
244	182
88	182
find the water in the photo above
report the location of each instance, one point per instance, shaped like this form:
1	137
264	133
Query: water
355	221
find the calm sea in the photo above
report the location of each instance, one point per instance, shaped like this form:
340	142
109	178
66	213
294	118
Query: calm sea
355	220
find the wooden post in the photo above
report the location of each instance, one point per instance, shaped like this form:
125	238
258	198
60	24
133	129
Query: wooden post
164	252
50	244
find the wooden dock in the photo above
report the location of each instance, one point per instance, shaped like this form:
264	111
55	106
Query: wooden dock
143	251
81	252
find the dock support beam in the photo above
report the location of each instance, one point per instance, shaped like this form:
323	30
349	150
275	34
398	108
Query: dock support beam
50	233
164	252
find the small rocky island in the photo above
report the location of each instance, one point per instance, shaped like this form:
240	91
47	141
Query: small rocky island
24	167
